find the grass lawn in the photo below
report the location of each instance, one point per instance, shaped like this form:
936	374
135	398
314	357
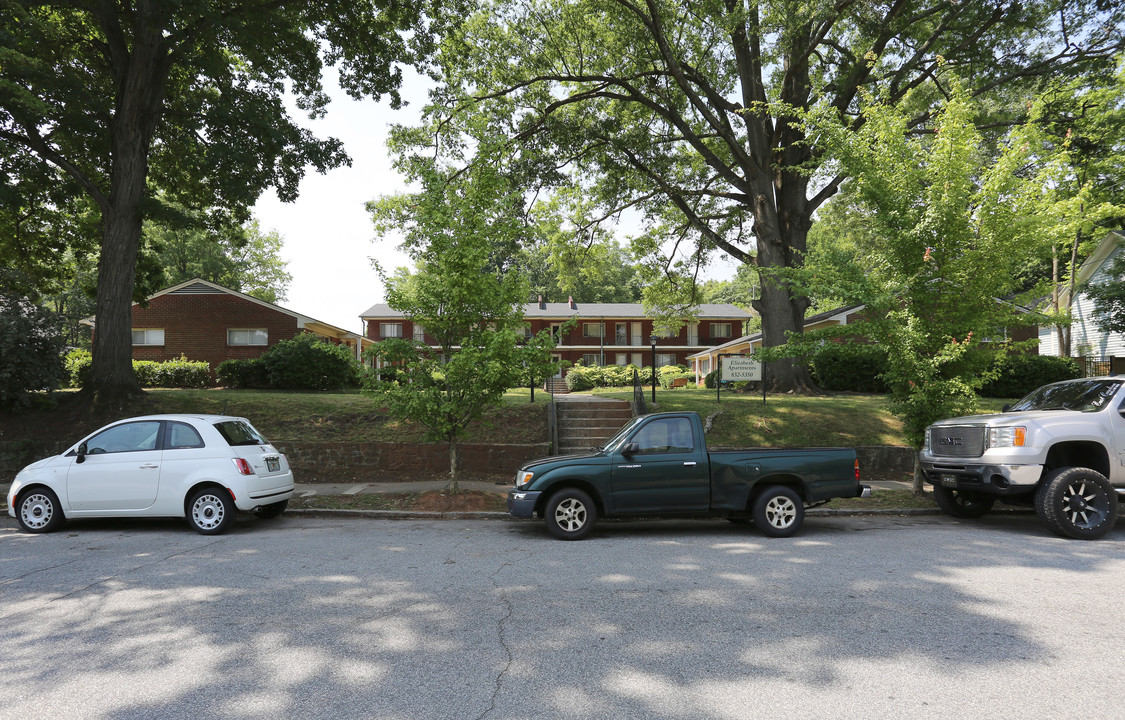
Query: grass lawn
838	420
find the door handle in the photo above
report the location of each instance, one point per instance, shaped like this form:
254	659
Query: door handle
149	466
689	464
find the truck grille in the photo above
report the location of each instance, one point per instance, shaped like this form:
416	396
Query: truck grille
957	442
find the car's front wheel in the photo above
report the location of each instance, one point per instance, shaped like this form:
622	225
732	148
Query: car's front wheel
570	514
779	511
271	511
962	503
1077	502
38	511
210	511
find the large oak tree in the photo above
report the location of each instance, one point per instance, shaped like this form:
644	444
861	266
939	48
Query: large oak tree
691	113
131	96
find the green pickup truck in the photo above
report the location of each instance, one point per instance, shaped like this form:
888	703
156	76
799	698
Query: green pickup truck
658	465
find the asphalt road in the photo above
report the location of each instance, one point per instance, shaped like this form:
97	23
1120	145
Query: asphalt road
306	617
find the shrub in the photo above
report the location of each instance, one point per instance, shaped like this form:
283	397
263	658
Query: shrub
580	378
710	379
79	364
670	373
1019	374
31	350
180	373
146	372
242	374
308	363
857	367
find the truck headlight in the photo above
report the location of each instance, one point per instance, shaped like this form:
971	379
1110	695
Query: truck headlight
1007	437
523	478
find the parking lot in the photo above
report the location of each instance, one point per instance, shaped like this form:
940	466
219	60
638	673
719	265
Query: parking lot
316	617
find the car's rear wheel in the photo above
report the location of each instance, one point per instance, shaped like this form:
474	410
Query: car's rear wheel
779	511
38	511
570	514
962	503
210	511
1077	502
271	511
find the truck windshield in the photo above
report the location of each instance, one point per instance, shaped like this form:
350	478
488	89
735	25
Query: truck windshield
614	442
1080	395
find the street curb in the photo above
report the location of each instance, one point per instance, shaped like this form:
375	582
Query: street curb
490	515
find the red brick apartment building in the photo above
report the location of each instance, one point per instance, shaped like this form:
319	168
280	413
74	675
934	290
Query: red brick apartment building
204	321
603	333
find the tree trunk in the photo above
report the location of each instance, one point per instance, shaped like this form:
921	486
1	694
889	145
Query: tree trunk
141	70
454	466
918	482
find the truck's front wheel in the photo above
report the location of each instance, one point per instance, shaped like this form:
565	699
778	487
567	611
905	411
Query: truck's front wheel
962	503
570	514
779	511
1077	502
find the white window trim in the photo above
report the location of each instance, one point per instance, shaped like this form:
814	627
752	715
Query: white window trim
146	342
249	337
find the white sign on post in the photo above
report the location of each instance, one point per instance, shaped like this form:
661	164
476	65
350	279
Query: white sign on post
740	368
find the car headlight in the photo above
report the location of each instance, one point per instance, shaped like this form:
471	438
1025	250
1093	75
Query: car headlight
1007	437
523	478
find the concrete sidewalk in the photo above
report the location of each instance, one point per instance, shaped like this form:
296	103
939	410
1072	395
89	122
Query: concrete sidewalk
374	488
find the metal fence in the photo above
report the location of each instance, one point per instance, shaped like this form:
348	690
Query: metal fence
1096	367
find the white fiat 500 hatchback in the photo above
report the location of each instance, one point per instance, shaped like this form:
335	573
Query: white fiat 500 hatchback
202	467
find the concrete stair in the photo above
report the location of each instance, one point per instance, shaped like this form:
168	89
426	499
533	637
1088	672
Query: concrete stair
585	425
556	386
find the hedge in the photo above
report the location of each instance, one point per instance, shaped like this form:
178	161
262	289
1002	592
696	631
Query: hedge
179	373
1020	374
581	377
857	367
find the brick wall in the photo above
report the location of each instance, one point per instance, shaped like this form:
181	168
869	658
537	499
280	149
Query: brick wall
195	325
343	462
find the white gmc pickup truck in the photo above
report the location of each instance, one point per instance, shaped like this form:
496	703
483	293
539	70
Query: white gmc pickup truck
1061	449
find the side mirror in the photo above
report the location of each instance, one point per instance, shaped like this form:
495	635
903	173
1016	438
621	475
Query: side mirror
630	449
1006	408
81	453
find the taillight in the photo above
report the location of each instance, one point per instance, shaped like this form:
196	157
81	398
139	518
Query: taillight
857	469
243	467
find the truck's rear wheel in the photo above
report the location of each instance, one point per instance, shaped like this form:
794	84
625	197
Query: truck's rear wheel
779	511
570	514
1077	502
962	503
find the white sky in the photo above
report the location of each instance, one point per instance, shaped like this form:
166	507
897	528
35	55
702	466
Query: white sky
328	235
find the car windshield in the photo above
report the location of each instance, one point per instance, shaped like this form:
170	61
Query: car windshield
239	432
1080	395
615	442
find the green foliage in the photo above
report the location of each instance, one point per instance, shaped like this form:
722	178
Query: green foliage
200	120
850	366
306	362
241	258
943	230
31	350
463	299
581	377
242	373
179	373
1018	374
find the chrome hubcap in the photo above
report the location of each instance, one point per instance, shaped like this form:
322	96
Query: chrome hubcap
570	514
208	511
36	511
780	512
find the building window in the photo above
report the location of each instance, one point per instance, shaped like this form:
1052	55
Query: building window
663	359
591	359
419	332
720	330
591	330
252	337
148	337
622	358
390	330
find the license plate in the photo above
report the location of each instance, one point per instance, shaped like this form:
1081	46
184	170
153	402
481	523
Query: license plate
273	464
949	481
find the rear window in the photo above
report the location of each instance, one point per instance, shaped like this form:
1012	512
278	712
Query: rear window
237	432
